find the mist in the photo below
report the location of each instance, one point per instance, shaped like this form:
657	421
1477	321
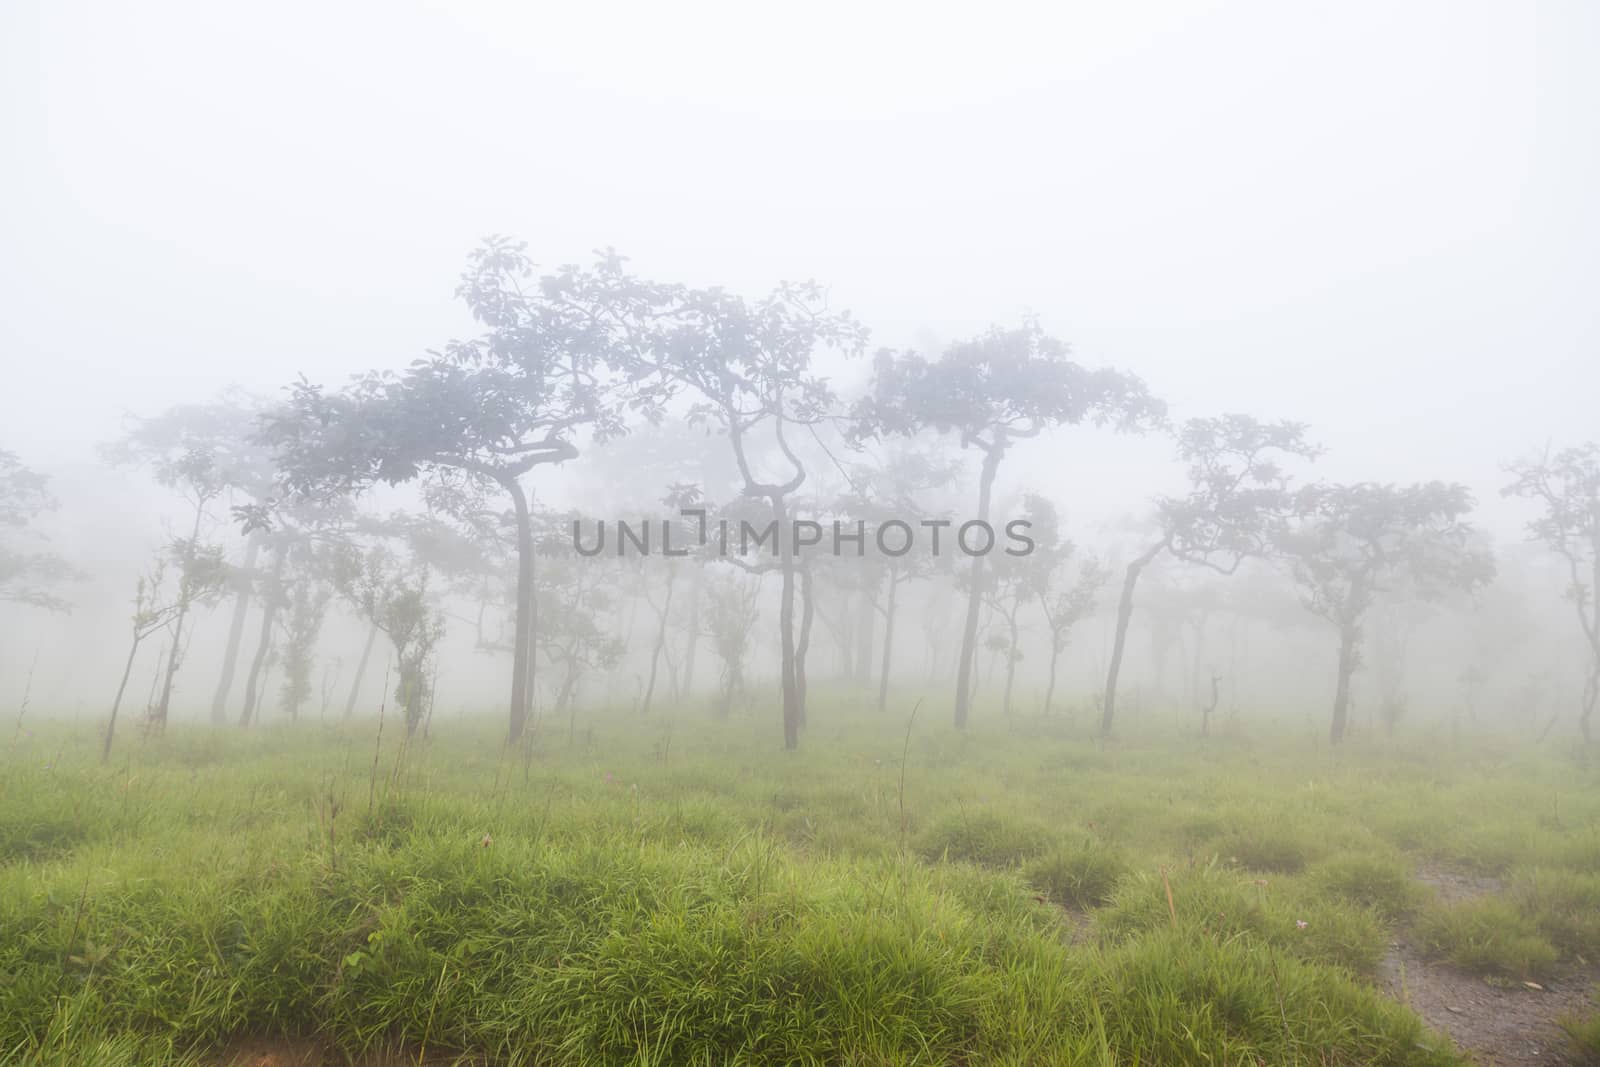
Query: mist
352	349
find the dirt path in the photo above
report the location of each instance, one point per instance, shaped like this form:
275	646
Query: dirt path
1500	1025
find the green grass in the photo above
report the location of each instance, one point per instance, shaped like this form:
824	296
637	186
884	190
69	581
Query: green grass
736	904
1082	876
1585	1035
1488	935
1564	905
1380	882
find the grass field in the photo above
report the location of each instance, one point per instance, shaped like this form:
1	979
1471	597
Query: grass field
681	892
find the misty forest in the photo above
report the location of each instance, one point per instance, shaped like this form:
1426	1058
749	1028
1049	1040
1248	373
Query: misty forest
419	647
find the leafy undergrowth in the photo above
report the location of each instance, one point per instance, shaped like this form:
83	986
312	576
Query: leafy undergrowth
603	903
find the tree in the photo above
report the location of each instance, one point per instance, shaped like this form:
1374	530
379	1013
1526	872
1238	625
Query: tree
682	496
394	595
1567	486
747	369
224	430
994	390
196	472
306	541
1018	579
1064	608
731	603
577	593
307	607
1237	503
1350	543
27	575
884	495
201	577
487	411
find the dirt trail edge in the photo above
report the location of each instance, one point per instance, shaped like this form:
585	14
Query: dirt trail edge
1499	1025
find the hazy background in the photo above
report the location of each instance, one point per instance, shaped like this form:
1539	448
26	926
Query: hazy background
1377	218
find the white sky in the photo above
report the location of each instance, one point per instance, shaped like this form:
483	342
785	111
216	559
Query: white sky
1376	217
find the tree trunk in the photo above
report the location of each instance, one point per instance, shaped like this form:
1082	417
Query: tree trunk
361	671
969	632
661	642
792	712
1050	687
888	641
1591	696
159	718
803	646
687	681
1108	711
254	684
111	727
1011	664
522	666
866	618
415	690
1205	712
1199	654
1347	666
241	607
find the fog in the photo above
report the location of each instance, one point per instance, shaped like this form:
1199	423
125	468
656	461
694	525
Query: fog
1375	220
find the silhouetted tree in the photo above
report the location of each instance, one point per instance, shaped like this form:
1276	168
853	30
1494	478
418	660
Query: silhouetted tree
224	430
393	594
156	606
887	498
996	389
1017	578
1068	605
746	368
27	574
1349	543
1237	503
196	473
1567	486
485	411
